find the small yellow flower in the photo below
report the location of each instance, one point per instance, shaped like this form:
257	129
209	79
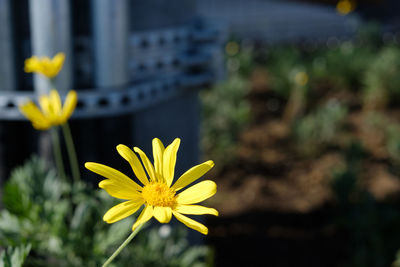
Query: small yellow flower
160	197
45	66
301	78
344	7
232	48
51	112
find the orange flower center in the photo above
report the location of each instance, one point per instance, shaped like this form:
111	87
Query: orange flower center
159	194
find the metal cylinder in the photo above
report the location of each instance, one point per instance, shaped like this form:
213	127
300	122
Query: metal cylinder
7	69
110	42
51	33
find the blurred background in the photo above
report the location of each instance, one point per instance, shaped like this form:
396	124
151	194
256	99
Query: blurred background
297	103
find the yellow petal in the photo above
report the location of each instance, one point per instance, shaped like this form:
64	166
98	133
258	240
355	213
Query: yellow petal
118	190
31	64
113	174
55	101
169	161
32	112
122	210
197	192
158	152
40	126
163	214
147	164
146	215
191	223
58	60
193	174
44	103
196	210
133	160
46	67
69	105
52	67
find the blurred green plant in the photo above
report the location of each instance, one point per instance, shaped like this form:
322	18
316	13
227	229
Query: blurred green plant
14	256
383	126
240	58
63	223
297	101
370	34
283	63
341	67
381	79
225	114
315	131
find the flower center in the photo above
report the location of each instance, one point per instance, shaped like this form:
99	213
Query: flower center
159	194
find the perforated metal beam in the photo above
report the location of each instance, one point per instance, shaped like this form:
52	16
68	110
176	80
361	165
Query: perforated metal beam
100	103
190	68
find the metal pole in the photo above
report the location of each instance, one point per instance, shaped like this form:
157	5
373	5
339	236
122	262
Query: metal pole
110	50
51	33
7	68
110	31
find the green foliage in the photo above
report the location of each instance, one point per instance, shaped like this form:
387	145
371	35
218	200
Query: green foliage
241	63
225	113
299	75
283	63
225	109
318	129
370	34
391	133
63	223
340	67
14	256
337	68
382	79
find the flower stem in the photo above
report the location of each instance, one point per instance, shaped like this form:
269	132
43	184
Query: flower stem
73	159
57	152
123	245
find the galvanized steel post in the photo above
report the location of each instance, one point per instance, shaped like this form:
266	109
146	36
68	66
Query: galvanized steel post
7	75
51	33
110	32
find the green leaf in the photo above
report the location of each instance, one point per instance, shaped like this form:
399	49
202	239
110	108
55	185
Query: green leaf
14	257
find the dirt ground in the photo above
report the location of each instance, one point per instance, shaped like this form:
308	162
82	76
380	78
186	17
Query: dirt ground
276	206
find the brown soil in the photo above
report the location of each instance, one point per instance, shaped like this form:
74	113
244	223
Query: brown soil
276	204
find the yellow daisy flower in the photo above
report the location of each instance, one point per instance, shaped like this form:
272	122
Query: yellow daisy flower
51	112
160	197
45	66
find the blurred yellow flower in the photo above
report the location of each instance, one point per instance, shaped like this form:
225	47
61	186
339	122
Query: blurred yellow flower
301	78
45	66
51	112
232	48
159	196
344	7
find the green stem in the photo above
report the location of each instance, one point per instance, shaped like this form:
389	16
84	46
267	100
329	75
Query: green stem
57	152
73	159
123	245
